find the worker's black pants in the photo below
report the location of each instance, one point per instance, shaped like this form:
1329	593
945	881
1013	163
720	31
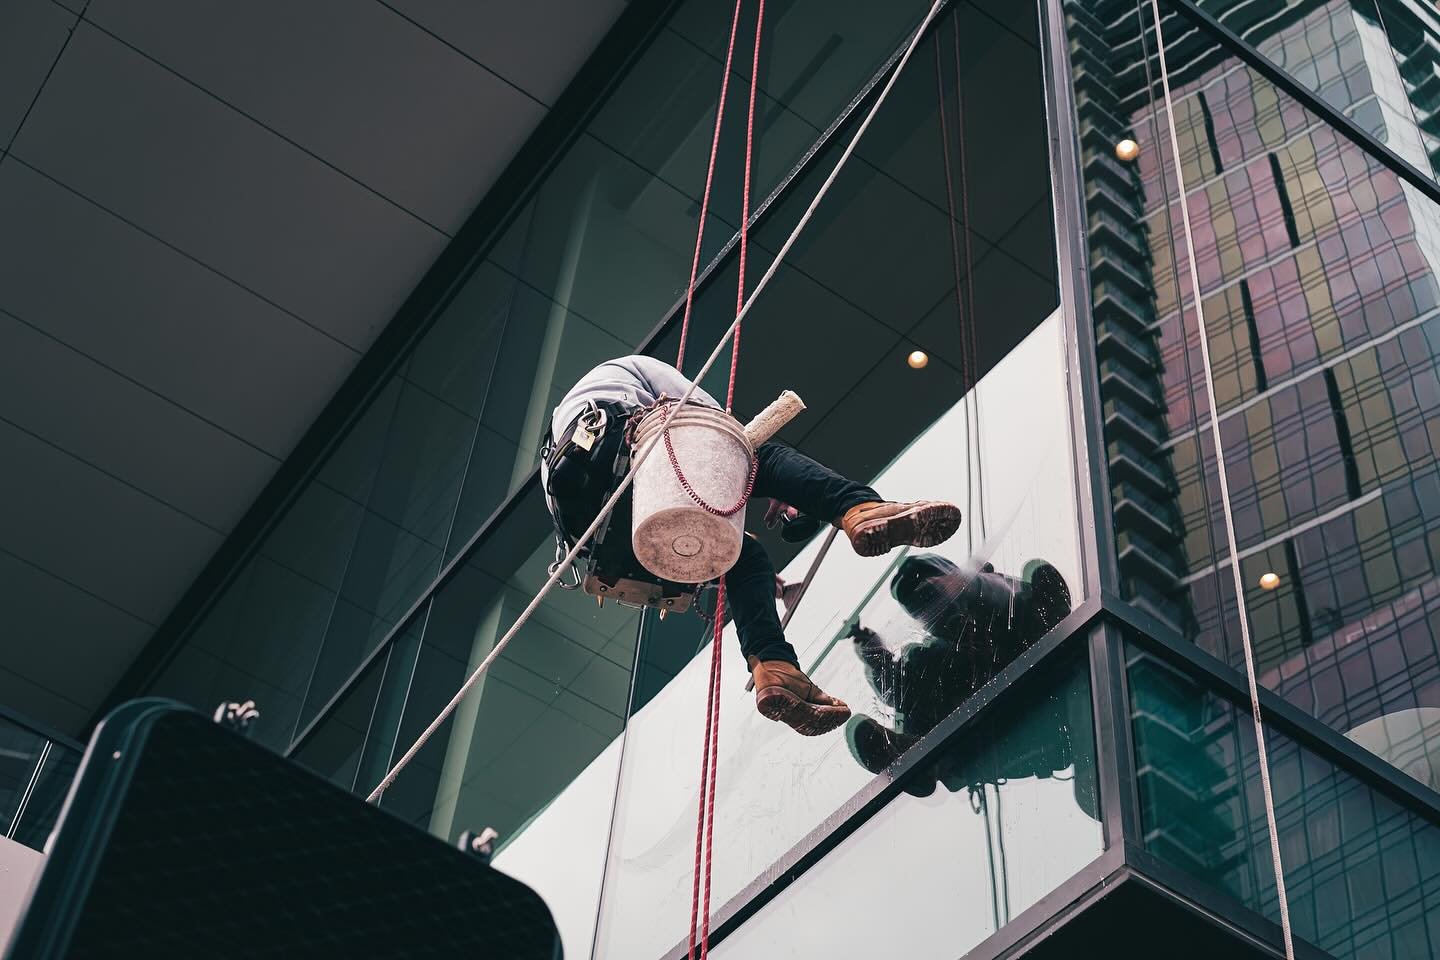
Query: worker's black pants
785	474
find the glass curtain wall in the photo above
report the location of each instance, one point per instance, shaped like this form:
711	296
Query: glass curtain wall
1375	61
945	865
874	278
1361	871
926	244
585	271
1317	267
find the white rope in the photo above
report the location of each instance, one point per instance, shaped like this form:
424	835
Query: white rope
1264	756
550	581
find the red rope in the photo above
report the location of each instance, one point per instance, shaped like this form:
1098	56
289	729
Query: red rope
710	761
745	205
713	714
702	852
709	180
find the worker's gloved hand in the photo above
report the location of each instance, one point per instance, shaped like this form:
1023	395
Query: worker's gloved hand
795	527
777	512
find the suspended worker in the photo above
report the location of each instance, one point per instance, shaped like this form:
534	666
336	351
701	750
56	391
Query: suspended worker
577	473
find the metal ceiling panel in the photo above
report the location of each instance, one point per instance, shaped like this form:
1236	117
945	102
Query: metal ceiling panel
94	532
32	33
357	85
155	316
185	167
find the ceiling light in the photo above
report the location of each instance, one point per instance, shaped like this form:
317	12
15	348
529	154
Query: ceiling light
1269	581
1127	150
918	359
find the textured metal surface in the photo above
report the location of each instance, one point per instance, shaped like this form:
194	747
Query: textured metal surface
220	848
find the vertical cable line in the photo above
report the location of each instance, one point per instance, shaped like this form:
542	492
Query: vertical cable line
1263	752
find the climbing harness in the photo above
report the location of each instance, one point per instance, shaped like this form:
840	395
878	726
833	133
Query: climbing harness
700	924
1263	754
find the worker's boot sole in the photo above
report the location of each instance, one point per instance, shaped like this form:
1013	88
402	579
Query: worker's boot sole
923	525
806	719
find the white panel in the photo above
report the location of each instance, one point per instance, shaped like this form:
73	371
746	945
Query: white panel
78	524
62	638
536	45
356	84
153	315
19	866
61	395
201	176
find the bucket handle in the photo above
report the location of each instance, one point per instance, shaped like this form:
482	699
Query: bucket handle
699	500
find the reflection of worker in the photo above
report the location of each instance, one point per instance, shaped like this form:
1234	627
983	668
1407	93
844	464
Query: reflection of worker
578	472
974	622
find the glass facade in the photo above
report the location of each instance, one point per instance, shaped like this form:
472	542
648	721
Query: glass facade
1317	266
1001	762
1361	871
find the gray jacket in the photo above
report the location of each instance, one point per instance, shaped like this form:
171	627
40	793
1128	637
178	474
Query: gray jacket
633	381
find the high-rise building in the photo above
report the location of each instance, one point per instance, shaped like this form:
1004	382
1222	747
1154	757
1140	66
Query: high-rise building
995	303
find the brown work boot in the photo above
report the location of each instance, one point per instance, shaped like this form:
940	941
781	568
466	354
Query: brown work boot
876	528
784	693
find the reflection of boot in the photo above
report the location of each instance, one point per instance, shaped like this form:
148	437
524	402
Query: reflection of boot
783	693
875	746
876	528
1050	596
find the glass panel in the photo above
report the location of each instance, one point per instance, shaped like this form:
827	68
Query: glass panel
932	876
1318	275
1369	60
42	811
1360	870
20	751
35	775
875	275
533	752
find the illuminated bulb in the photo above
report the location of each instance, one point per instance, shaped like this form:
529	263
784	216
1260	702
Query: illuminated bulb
918	359
1127	150
1269	581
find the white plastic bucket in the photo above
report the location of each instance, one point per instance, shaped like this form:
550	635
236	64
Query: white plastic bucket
675	537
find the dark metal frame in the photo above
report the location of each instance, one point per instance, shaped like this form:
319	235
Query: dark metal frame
40	729
1232	43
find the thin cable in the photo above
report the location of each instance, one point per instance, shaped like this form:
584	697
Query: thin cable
966	376
1175	269
973	325
1264	756
644	454
705	197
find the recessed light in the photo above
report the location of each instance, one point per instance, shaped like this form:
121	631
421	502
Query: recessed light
918	359
1127	150
1269	581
